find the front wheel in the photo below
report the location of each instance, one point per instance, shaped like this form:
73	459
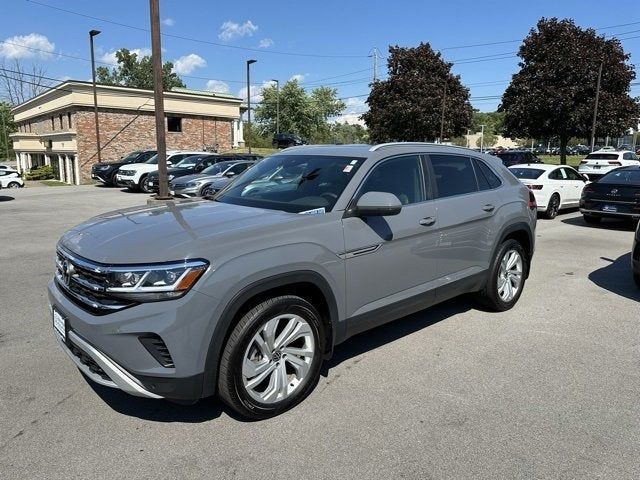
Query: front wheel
506	277
272	358
144	184
13	185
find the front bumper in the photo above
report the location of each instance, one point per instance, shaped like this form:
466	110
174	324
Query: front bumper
99	177
113	343
125	181
189	192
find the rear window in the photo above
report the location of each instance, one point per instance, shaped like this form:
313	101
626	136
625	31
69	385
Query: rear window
527	173
602	156
622	176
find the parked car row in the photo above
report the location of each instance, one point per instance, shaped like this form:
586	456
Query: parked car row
138	171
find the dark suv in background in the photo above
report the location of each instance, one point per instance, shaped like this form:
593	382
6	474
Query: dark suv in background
105	172
517	157
286	140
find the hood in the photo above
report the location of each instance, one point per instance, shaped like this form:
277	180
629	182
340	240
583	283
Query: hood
165	233
140	166
198	176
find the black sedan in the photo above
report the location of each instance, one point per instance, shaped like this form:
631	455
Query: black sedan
615	195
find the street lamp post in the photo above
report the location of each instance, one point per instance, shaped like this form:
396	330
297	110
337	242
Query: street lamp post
92	34
482	139
249	132
277	105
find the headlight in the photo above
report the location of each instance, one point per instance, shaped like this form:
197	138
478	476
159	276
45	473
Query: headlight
194	184
104	167
154	282
171	177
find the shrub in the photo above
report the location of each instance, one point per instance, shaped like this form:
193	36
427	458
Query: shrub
44	172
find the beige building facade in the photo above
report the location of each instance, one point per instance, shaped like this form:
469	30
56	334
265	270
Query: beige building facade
57	128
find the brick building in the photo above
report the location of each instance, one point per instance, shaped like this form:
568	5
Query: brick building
57	127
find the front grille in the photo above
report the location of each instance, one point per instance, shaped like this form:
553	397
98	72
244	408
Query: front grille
84	283
127	173
87	360
158	349
179	185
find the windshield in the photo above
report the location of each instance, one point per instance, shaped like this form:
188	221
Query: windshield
602	156
153	160
217	168
132	156
527	173
293	183
622	176
189	162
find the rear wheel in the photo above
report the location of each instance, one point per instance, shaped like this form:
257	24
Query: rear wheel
506	277
591	219
144	184
13	185
553	207
272	358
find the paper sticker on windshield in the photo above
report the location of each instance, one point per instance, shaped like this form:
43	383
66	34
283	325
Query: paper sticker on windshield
315	211
348	168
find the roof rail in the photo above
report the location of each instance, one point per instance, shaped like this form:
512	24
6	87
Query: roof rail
396	144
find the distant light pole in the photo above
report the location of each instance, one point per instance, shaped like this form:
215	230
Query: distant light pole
92	34
468	137
482	139
595	106
249	62
277	105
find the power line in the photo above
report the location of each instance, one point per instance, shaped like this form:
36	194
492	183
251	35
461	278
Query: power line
197	40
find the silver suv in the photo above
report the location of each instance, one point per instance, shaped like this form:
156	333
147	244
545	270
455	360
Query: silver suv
243	296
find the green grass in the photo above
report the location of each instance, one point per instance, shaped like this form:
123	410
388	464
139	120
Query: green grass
572	160
52	183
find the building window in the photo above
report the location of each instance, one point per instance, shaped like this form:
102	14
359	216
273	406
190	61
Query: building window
53	124
69	119
174	124
60	118
29	127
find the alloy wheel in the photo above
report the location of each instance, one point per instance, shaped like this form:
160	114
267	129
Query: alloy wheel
510	275
278	358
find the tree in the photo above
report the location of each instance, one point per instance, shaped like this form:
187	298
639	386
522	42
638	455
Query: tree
300	113
18	83
137	73
345	133
493	122
487	140
553	94
7	126
408	105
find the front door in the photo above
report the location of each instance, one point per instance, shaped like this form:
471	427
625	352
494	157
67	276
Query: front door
390	260
574	185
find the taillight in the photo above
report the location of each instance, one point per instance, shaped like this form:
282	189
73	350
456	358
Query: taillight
618	164
534	187
532	201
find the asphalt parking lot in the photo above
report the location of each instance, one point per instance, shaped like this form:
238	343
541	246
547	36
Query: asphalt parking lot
549	389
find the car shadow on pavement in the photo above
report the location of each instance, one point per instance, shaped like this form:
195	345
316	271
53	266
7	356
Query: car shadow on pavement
617	277
605	223
394	330
6	198
161	410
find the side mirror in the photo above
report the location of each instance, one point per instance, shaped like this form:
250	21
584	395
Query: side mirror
169	162
378	204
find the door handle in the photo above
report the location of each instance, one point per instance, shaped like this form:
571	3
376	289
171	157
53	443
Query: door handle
427	221
488	208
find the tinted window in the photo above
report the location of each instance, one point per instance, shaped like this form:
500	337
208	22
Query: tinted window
401	176
602	156
572	174
217	168
293	183
484	172
556	175
454	175
238	168
622	176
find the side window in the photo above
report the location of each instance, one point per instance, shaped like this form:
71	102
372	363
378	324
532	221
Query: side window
454	175
239	168
555	175
572	174
401	176
485	175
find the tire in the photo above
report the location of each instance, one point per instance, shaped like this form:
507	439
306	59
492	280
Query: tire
144	184
112	181
493	297
591	220
13	185
636	278
204	191
553	207
262	393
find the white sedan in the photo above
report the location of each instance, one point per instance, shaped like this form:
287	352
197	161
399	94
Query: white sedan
554	186
10	178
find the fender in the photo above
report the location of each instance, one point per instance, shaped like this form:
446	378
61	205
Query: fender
515	227
225	322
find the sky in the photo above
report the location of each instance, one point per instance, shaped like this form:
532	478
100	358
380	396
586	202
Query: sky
328	43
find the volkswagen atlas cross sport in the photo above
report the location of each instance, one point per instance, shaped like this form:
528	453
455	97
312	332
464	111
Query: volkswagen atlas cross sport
244	295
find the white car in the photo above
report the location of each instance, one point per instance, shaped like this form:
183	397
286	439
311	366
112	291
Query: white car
554	186
134	175
10	178
596	164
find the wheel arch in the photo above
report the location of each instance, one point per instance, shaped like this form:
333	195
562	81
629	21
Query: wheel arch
306	284
522	233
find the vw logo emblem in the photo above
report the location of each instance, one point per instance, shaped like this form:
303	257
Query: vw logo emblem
67	272
614	191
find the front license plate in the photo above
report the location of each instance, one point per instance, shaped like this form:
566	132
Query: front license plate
609	208
60	324
596	167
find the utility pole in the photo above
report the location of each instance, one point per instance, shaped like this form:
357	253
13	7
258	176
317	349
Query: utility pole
444	102
375	55
92	34
277	105
158	100
249	132
6	137
482	139
595	107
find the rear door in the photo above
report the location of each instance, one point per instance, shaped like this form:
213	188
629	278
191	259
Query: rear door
392	259
466	209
